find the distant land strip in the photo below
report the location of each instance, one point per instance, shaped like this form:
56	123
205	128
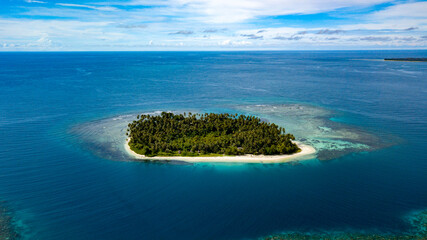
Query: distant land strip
406	59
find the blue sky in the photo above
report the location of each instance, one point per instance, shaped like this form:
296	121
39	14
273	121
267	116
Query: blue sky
123	25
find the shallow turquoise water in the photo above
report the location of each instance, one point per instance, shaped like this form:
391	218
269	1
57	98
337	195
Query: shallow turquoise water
59	185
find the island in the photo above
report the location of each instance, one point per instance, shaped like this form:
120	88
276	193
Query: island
406	59
211	137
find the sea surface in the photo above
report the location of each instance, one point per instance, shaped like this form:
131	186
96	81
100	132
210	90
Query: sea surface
64	174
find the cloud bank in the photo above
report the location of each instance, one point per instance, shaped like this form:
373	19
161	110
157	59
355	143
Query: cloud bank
212	24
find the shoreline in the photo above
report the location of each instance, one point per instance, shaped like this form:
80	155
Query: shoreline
406	59
307	152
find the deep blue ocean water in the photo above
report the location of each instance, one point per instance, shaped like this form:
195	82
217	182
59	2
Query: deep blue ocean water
57	188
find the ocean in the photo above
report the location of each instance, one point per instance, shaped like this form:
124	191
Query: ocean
64	174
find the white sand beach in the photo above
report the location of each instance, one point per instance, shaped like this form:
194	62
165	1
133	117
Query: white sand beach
307	152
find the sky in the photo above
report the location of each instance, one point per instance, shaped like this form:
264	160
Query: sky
162	25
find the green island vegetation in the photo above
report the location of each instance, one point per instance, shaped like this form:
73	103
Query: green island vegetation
407	59
207	134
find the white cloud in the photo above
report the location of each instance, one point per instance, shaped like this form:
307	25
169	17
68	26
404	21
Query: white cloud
103	8
229	42
21	28
397	17
406	10
34	1
209	23
226	11
234	11
44	41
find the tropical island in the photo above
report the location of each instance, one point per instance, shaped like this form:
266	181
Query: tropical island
406	59
211	137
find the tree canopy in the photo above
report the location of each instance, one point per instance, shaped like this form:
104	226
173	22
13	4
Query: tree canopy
190	134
